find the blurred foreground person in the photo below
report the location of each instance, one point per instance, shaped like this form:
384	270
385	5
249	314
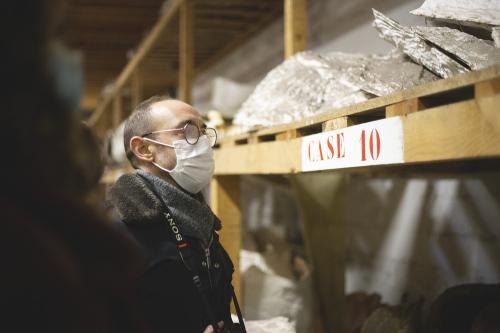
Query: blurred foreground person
64	268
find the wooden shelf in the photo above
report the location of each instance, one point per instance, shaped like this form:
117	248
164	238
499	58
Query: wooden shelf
450	120
189	37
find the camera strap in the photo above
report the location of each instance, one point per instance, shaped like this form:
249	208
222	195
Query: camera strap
186	256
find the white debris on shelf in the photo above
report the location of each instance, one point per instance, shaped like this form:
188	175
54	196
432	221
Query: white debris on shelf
474	52
474	12
273	325
495	35
416	47
309	84
115	151
383	75
297	89
269	294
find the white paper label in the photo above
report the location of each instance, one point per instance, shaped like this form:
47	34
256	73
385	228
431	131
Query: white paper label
374	143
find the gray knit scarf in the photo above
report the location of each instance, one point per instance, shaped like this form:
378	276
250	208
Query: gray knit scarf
137	204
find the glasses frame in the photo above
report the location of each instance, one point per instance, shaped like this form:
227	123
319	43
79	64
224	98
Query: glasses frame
200	132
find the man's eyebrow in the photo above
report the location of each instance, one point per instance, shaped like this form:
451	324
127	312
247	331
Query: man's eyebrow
182	123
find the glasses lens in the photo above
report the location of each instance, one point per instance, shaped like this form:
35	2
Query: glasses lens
192	133
211	135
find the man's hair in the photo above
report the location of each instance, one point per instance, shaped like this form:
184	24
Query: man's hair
139	123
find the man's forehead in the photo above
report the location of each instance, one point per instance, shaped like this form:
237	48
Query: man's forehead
174	112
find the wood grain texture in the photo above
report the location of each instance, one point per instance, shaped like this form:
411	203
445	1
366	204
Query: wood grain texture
459	131
225	202
403	108
465	130
186	51
295	27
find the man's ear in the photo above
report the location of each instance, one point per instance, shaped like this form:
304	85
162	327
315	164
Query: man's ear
141	149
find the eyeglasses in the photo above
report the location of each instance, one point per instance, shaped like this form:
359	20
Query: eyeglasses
192	133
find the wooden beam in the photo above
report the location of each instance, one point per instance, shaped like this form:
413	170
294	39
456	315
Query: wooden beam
139	55
186	51
322	199
135	89
295	27
337	123
459	131
403	108
465	130
117	111
225	202
277	157
487	88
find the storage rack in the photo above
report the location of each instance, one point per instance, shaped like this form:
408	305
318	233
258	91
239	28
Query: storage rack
447	126
450	125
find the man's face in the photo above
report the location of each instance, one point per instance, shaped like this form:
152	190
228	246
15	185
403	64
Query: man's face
171	114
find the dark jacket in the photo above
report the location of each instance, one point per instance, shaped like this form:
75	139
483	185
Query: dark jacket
167	294
65	269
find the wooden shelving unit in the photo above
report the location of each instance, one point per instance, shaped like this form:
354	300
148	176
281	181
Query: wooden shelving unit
447	120
188	38
445	126
448	125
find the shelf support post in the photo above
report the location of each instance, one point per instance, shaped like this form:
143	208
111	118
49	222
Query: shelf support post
117	110
295	26
186	51
225	202
135	89
322	198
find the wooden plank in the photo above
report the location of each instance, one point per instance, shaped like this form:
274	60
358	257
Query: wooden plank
487	88
295	27
225	202
252	139
463	130
322	199
337	123
460	131
186	51
277	157
288	135
403	108
117	111
135	89
139	55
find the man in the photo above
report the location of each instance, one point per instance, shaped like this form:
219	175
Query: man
168	144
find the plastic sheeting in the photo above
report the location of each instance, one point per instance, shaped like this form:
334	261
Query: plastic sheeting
273	325
474	52
495	35
463	11
416	47
310	83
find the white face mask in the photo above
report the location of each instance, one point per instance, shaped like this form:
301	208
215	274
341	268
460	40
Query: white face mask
195	163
